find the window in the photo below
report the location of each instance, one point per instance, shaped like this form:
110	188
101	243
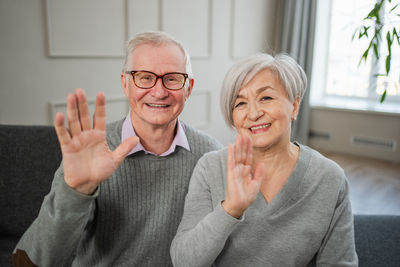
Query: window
338	80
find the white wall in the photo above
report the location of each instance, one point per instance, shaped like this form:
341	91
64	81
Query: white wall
82	44
31	79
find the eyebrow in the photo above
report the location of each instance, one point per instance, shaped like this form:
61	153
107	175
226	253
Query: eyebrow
258	91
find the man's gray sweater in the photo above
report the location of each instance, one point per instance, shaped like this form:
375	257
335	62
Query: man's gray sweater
129	221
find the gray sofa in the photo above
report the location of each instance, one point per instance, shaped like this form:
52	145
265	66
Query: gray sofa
29	155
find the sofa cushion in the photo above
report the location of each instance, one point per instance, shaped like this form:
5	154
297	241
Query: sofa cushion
377	240
29	156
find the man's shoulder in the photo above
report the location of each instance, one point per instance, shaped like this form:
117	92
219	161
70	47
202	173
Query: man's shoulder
199	141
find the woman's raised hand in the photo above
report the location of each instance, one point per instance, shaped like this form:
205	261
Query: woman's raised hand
242	186
87	159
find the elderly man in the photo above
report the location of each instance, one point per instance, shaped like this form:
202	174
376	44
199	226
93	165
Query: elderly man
118	197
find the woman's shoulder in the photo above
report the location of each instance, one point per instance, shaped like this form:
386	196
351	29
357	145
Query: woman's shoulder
214	158
319	166
316	158
210	171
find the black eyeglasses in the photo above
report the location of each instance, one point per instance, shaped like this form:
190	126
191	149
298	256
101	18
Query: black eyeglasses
147	79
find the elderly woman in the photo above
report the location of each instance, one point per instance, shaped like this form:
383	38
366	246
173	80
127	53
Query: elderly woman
265	201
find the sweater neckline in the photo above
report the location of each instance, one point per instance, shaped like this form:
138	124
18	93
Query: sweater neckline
291	191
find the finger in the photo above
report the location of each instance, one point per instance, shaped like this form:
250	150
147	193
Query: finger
73	115
99	117
249	151
231	161
124	148
83	109
242	153
62	133
238	149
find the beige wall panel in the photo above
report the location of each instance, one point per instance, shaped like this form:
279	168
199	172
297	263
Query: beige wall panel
252	26
143	16
72	34
190	22
197	110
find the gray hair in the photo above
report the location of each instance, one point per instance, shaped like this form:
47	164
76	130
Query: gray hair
156	38
286	68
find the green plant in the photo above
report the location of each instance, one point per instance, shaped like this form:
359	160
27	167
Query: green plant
374	23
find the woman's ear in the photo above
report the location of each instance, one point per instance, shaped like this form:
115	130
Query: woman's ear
296	106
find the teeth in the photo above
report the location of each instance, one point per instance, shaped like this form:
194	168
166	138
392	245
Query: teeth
260	127
157	105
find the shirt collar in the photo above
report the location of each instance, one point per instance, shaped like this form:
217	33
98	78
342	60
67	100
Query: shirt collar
180	138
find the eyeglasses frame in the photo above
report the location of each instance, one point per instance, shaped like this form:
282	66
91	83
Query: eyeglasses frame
132	72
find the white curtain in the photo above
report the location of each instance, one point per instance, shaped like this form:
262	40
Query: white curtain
297	26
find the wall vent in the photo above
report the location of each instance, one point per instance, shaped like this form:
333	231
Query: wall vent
320	135
374	142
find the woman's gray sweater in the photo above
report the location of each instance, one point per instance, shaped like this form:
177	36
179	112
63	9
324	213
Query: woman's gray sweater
308	222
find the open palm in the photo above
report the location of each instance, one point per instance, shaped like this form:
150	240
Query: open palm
87	159
242	186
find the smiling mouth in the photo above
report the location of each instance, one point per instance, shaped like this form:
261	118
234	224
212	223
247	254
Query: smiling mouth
260	127
158	105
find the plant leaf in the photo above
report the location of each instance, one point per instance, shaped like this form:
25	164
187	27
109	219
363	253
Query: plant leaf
396	36
389	39
388	58
374	12
364	56
394	7
383	96
376	51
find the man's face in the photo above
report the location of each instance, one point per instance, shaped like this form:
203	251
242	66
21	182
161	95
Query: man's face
158	106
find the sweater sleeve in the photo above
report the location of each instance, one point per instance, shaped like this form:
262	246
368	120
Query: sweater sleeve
204	229
338	246
54	235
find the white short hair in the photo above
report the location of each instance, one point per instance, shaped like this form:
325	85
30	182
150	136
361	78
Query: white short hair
286	68
156	38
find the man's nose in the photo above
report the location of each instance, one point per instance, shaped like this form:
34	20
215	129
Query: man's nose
158	90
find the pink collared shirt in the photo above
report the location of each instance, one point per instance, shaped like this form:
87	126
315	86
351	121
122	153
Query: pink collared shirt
180	138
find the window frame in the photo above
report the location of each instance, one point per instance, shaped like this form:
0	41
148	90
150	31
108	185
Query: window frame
318	95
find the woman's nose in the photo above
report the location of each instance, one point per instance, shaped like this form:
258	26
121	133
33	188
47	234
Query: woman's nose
254	112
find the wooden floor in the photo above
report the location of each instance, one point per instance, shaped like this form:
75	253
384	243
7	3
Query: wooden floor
374	184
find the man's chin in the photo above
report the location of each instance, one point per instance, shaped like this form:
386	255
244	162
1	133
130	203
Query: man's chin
159	122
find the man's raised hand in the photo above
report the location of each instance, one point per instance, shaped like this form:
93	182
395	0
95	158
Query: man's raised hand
87	159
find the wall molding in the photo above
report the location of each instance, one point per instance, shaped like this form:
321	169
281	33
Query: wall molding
120	108
71	38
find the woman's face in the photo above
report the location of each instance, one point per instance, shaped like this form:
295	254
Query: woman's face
263	111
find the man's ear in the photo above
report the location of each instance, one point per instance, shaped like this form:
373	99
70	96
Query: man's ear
188	90
124	85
